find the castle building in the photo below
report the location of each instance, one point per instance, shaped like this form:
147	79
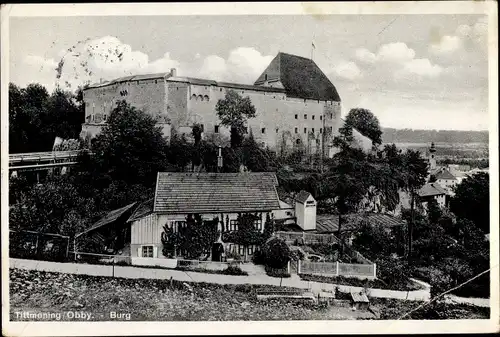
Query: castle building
297	107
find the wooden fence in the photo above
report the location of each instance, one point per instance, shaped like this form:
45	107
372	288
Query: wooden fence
306	238
332	269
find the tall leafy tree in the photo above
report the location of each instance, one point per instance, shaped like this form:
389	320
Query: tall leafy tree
233	112
365	122
347	181
130	148
415	170
472	200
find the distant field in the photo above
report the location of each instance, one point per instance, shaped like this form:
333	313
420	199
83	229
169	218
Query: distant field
451	150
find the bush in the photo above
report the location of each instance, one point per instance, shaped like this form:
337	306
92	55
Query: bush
234	270
277	272
276	253
258	257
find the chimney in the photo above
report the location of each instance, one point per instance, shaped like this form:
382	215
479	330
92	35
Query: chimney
173	72
100	80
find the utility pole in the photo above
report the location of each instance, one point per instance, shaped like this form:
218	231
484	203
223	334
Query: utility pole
219	160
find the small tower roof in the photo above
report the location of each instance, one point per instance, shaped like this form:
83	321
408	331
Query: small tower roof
433	147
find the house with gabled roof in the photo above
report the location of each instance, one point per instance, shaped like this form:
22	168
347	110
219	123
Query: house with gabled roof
220	196
432	191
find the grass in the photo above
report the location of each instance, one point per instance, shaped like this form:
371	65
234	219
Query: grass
351	281
165	300
393	309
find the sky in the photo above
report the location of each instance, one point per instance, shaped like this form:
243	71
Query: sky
411	71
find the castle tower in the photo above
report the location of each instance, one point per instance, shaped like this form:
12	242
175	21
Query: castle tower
432	157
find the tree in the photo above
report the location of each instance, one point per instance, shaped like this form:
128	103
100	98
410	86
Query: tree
53	207
36	118
434	212
192	239
233	112
347	182
130	147
197	131
366	123
414	176
472	200
255	158
276	253
247	233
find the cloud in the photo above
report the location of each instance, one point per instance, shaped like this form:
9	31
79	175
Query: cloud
448	44
422	67
395	52
90	61
366	56
348	70
107	58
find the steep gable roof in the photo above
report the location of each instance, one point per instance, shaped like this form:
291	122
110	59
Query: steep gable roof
431	189
301	78
215	192
445	174
302	196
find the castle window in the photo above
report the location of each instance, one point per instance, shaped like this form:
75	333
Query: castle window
317	141
265	77
220	89
277	130
193	97
312	130
105	117
200	97
246	129
296	130
263	130
320	117
216	129
320	130
297	141
206	98
202	127
305	130
156	81
313	117
296	116
305	116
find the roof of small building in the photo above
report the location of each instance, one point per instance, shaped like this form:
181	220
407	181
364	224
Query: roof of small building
284	205
145	208
431	189
109	218
301	77
215	192
445	174
302	196
329	223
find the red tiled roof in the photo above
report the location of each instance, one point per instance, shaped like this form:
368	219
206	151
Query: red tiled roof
328	223
215	192
431	189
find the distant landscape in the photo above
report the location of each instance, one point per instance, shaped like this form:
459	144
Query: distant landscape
457	147
391	135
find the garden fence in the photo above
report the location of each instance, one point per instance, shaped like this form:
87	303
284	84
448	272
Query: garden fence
38	245
333	269
306	238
